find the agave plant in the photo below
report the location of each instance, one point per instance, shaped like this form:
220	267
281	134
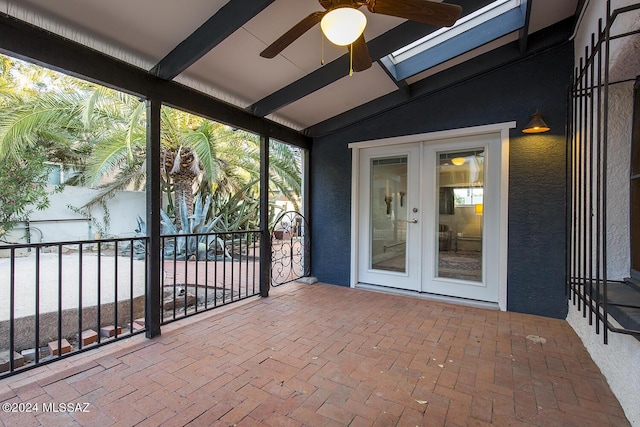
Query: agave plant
196	236
193	239
139	246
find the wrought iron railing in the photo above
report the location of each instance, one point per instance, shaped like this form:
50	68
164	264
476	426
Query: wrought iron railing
63	298
587	284
67	297
290	248
205	271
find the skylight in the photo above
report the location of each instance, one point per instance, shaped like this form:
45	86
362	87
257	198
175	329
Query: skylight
482	26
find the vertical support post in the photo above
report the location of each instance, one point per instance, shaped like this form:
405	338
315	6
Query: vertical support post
598	211
306	210
604	165
265	238
154	261
306	181
569	191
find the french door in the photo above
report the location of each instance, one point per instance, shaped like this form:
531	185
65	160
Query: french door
390	201
432	216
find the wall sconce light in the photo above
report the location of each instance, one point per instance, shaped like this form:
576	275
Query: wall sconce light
536	124
479	208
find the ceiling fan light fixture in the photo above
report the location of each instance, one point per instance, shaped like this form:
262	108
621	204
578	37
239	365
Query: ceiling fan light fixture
343	25
458	161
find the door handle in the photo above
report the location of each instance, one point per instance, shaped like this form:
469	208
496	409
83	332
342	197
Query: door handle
411	221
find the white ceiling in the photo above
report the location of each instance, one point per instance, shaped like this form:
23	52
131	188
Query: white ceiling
142	32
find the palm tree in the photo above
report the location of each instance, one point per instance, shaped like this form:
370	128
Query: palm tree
101	132
202	156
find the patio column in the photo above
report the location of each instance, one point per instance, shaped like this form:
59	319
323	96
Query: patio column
265	235
154	261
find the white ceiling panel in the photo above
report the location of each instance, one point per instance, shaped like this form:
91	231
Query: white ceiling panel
343	95
151	28
241	70
142	32
547	12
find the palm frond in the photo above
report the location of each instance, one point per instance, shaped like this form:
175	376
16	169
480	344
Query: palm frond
107	157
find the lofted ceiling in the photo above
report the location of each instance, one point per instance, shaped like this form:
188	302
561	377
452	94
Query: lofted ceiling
214	46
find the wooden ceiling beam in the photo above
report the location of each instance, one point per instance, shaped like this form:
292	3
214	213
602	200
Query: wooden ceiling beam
379	47
28	42
524	31
541	41
225	22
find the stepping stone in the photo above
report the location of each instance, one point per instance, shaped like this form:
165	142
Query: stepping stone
65	347
5	363
179	301
89	337
137	326
110	331
29	354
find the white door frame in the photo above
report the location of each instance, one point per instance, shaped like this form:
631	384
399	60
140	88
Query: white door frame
412	275
502	128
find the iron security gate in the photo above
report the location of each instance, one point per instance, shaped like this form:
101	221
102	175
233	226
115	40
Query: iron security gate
588	286
290	248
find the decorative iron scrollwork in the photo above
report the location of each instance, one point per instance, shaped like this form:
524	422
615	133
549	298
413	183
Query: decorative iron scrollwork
290	248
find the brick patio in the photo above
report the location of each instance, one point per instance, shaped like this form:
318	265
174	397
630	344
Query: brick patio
320	355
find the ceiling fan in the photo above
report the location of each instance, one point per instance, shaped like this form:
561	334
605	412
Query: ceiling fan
424	11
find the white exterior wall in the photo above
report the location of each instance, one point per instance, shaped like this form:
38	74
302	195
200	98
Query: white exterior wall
619	361
59	223
618	172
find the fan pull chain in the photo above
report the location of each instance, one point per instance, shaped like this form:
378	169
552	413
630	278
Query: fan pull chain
322	49
351	60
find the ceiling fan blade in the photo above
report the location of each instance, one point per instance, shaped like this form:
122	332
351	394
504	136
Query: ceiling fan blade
361	57
290	36
427	12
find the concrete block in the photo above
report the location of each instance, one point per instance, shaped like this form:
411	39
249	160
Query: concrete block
110	331
89	337
5	363
29	354
135	326
65	347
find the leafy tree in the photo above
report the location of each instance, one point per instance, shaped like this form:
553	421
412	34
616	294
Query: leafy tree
23	184
102	134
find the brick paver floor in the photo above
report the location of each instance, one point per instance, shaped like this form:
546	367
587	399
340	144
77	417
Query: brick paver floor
321	355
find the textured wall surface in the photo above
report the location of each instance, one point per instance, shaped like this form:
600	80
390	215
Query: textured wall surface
331	206
619	360
536	260
537	177
618	172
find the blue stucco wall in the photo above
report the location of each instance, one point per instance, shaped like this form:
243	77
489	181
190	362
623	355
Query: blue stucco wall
536	183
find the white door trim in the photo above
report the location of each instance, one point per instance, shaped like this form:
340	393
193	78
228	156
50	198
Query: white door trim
502	128
430	136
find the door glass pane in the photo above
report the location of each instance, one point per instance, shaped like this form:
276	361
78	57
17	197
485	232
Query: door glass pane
460	214
388	214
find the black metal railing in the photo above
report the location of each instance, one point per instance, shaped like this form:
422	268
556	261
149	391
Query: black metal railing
587	283
63	298
290	248
205	271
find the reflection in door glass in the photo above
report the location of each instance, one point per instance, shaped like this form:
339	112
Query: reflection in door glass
460	218
388	214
